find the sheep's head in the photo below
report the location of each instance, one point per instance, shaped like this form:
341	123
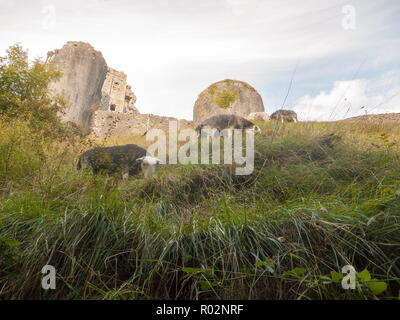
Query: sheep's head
148	164
256	129
148	161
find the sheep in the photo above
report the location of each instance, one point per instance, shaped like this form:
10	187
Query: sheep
117	159
258	116
227	121
284	115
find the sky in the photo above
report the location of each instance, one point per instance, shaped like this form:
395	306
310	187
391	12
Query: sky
327	60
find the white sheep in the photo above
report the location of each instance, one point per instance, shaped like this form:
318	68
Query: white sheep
148	165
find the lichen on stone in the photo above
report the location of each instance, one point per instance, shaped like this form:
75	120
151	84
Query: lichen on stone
225	98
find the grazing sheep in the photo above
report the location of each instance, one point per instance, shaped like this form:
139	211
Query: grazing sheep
148	165
116	159
227	121
284	115
258	116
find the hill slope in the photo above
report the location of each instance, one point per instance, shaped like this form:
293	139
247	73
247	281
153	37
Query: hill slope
377	118
322	196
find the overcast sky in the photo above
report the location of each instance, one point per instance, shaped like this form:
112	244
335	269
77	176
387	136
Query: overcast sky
343	56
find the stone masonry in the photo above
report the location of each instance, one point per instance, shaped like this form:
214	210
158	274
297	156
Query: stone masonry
111	124
116	93
98	97
84	71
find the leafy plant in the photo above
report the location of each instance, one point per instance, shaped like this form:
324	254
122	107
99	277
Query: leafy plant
24	90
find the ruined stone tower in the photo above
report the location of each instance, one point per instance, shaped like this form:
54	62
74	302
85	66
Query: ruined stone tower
84	71
88	84
116	93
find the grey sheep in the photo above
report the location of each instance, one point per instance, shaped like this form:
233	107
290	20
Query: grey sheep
284	116
128	160
227	121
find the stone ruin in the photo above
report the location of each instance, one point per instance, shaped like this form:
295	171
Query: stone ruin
84	71
99	97
116	93
103	103
112	124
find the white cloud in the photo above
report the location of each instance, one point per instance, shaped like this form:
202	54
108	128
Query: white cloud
352	98
239	7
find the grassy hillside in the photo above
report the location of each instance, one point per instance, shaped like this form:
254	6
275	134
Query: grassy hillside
322	195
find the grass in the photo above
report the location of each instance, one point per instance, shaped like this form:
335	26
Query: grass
323	195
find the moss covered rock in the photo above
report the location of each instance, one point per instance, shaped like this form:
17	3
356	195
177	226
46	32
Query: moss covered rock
227	97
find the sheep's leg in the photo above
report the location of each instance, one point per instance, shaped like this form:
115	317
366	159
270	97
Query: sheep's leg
152	169
145	169
125	173
230	133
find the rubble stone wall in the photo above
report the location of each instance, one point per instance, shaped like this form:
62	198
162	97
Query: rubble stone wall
110	124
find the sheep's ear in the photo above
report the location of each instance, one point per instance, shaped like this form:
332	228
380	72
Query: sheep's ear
139	159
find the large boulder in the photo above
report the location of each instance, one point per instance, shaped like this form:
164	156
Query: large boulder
84	71
227	97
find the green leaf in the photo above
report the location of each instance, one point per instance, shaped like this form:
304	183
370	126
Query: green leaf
299	271
364	276
295	256
9	242
296	272
377	287
259	264
205	285
209	273
247	270
190	270
269	262
336	276
325	280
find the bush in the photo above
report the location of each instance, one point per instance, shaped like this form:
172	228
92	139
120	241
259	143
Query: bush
24	91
